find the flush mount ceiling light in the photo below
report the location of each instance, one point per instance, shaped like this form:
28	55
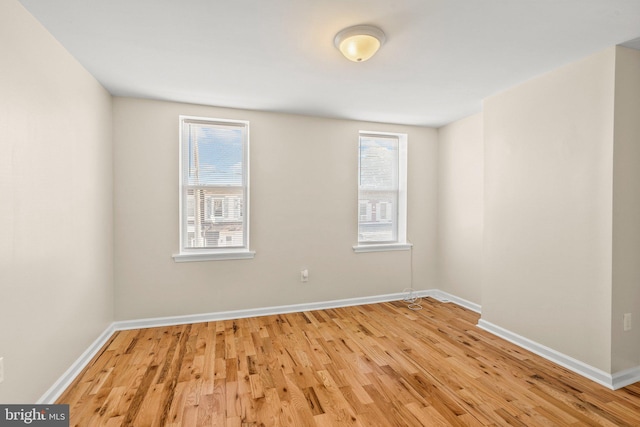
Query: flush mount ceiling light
360	42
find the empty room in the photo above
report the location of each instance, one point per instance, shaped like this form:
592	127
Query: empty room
320	213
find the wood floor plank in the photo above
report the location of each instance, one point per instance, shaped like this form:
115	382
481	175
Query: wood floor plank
365	366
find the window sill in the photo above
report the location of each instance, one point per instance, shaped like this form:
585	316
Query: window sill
214	256
382	247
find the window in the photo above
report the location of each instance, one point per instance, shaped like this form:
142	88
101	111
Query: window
382	192
214	189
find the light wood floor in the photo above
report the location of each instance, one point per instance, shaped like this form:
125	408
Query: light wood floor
371	365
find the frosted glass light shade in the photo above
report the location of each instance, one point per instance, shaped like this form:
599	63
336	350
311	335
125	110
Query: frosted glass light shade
359	43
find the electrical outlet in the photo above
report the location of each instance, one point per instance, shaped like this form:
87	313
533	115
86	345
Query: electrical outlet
627	321
1	369
304	275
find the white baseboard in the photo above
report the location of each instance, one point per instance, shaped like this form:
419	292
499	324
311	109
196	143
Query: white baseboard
74	370
612	381
447	297
262	311
626	377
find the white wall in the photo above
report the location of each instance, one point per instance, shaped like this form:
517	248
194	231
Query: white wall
548	209
460	216
626	211
56	270
303	214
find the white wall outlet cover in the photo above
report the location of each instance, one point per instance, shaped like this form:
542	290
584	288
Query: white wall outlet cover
627	321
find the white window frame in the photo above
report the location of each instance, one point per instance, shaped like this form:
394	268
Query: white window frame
187	254
400	243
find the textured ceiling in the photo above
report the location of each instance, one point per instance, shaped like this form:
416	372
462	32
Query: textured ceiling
442	57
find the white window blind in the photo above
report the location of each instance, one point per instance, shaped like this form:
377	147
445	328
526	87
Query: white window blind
214	185
381	189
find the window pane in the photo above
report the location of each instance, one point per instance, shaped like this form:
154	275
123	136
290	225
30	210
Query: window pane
378	163
216	218
377	221
215	155
378	189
